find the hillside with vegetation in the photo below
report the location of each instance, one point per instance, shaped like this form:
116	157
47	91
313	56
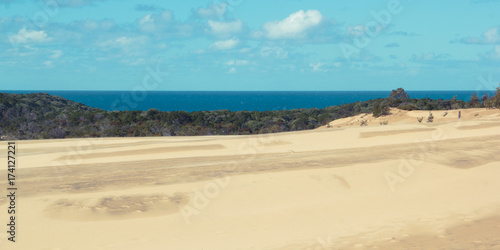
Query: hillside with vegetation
43	116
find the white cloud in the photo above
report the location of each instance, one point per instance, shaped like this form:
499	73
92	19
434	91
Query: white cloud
294	26
241	62
48	64
232	71
198	52
362	30
430	56
154	23
491	36
237	62
167	15
225	28
133	62
245	50
147	7
257	34
225	44
275	52
212	11
24	50
29	36
492	54
125	43
145	20
317	67
147	24
77	3
92	25
56	54
355	31
425	56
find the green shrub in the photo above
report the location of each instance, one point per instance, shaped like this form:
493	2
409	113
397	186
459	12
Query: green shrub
430	118
396	97
474	101
380	109
408	106
496	99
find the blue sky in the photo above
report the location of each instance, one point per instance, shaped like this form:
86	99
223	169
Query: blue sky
249	45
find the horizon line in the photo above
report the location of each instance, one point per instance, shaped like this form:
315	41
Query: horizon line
249	90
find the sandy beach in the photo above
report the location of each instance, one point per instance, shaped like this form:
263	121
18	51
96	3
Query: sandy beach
404	185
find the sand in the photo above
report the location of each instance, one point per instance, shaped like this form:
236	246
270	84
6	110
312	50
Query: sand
405	185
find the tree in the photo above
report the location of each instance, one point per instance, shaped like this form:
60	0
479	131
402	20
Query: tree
399	94
488	103
57	133
484	97
496	99
397	97
454	103
474	101
153	114
380	109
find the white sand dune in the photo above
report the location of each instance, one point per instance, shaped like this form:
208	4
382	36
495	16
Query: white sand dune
405	185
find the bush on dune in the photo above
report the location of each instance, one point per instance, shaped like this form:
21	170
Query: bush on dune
408	106
474	101
430	118
496	99
396	97
380	109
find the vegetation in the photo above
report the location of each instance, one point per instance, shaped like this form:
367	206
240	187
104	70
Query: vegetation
495	100
474	101
380	108
430	118
397	97
43	116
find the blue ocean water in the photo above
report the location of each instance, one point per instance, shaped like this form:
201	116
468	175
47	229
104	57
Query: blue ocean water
231	100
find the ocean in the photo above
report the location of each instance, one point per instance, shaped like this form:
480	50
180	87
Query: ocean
232	100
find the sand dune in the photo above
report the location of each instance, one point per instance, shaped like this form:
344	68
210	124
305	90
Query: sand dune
405	185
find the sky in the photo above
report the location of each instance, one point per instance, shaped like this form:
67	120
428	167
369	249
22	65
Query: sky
243	45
